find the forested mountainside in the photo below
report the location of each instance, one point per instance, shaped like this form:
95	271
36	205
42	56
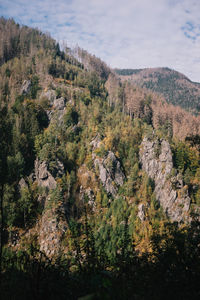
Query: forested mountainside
175	87
99	179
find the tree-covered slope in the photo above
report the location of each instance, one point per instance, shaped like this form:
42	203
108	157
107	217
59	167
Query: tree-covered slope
99	182
174	86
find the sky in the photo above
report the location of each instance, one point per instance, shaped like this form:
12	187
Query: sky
124	33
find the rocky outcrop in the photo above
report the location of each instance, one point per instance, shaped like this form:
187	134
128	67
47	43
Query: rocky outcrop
59	103
51	232
52	225
50	95
96	142
22	184
43	177
141	212
88	195
57	106
110	173
109	168
26	87
156	160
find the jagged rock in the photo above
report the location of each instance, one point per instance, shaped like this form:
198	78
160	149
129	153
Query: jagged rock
89	194
49	114
58	116
26	87
156	160
44	177
59	103
50	95
95	143
141	212
42	171
110	173
32	177
51	232
113	165
22	184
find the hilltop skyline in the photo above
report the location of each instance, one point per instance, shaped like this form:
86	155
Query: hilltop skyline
139	34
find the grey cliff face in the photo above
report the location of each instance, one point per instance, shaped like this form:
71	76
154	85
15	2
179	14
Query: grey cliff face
109	168
110	173
156	160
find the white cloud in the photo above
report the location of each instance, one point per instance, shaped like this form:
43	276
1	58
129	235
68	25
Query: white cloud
129	34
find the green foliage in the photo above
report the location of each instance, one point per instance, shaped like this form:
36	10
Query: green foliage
95	85
17	107
185	157
22	209
34	86
58	93
126	72
15	166
112	234
71	116
86	99
133	181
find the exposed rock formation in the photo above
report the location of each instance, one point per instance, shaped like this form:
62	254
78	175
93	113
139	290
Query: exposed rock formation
43	177
156	160
141	212
26	87
109	168
50	95
110	173
57	106
89	195
59	103
51	232
96	142
52	225
22	184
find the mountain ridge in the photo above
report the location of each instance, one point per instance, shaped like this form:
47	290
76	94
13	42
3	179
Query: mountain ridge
173	85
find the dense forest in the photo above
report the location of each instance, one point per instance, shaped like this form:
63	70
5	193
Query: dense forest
99	179
175	87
